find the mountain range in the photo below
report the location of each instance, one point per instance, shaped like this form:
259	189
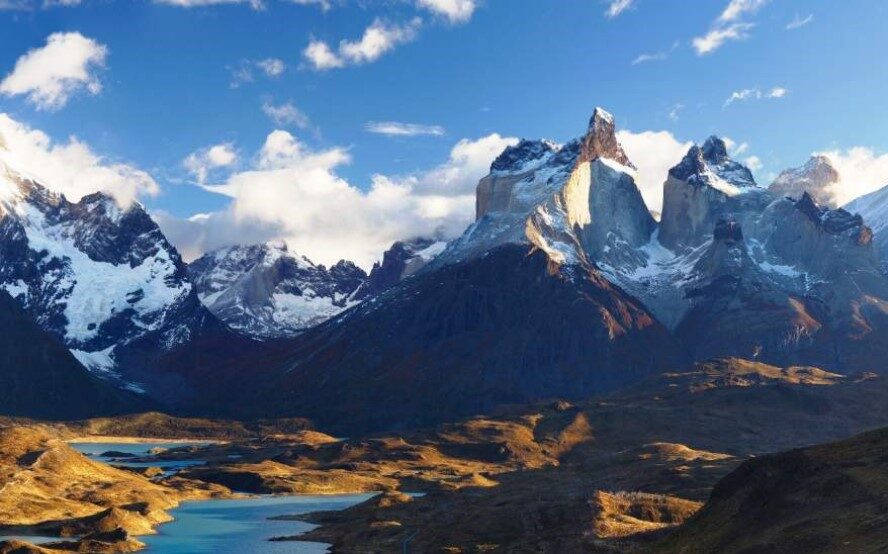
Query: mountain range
564	285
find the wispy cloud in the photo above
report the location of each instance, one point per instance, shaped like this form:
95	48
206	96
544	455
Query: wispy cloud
799	21
244	71
728	26
674	112
48	76
655	56
738	8
255	4
286	114
398	129
755	94
379	38
617	7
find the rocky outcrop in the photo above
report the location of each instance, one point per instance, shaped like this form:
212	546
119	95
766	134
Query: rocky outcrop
818	177
403	259
706	186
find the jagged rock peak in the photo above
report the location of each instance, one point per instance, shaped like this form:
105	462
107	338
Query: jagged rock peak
711	165
715	151
833	221
601	141
522	156
816	177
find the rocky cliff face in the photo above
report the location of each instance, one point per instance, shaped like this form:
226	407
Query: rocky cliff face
817	177
707	185
266	291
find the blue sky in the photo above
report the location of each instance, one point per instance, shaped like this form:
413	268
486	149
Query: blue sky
176	79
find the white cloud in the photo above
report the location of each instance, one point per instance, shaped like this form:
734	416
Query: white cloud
737	8
50	75
617	7
321	57
71	167
753	162
654	153
755	94
201	163
397	129
286	114
861	171
728	26
273	67
379	38
456	11
799	22
716	37
294	193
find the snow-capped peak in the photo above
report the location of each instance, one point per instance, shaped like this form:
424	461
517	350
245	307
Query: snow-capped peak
817	177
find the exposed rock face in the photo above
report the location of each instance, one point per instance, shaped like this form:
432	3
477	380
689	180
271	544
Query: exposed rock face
817	177
266	291
403	259
705	187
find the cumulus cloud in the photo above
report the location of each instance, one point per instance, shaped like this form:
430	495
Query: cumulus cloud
71	167
728	26
616	7
201	162
455	11
294	193
397	129
286	114
654	153
48	76
861	170
799	22
378	39
755	94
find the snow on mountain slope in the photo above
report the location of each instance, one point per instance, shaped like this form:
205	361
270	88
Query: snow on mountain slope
266	291
95	275
873	207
